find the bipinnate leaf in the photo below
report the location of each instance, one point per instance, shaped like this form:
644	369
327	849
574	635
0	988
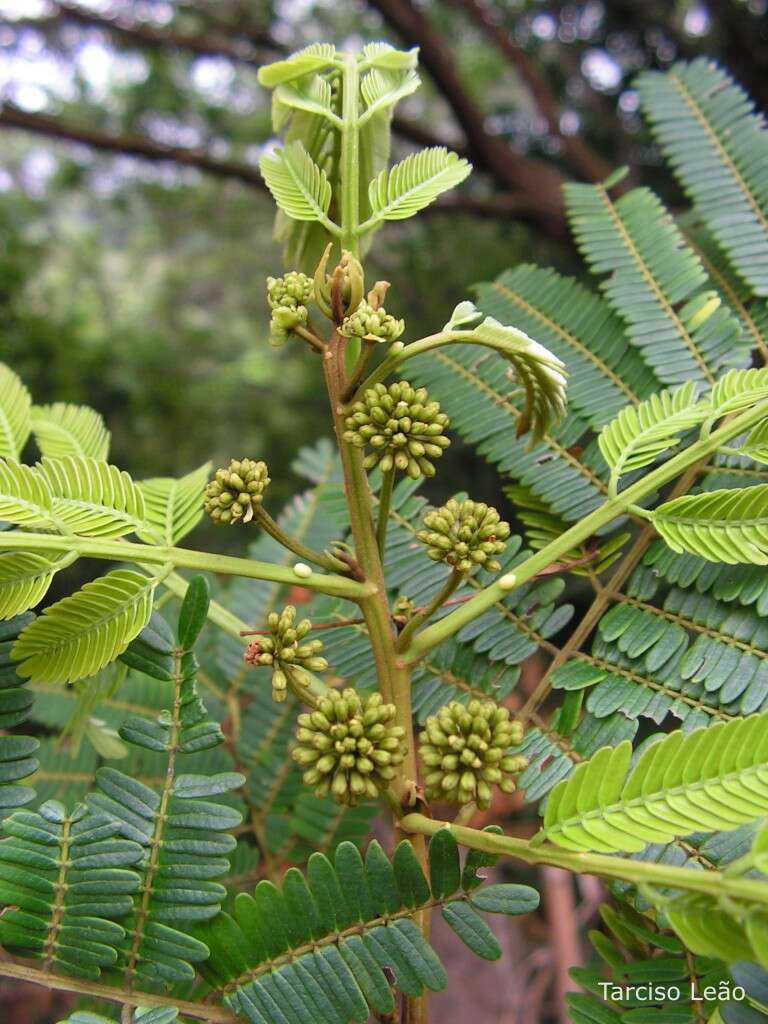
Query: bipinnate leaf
80	634
300	188
173	507
62	429
92	498
739	389
717	147
707	780
314	58
381	88
15	422
73	925
25	577
324	941
540	372
728	526
25	496
639	434
414	183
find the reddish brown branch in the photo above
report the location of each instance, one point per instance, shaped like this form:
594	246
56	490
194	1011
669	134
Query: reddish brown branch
241	48
131	145
580	155
222	41
511	171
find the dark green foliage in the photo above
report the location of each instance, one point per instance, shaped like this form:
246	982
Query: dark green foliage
315	949
68	880
16	752
636	952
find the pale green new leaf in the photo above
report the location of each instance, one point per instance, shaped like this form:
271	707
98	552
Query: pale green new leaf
540	372
79	635
173	508
728	526
755	444
640	433
382	89
300	188
92	498
382	55
61	429
711	779
414	183
739	389
314	58
24	579
25	495
15	405
313	95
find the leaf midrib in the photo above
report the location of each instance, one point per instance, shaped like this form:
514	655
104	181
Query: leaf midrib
659	797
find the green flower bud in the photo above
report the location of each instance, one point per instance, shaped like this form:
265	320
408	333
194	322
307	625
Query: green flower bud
372	324
234	492
465	752
361	746
281	650
401	428
289	291
464	534
287	297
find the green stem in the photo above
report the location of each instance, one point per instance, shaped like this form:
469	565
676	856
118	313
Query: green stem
359	505
359	369
183	558
398	355
270	526
712	883
591	524
448	588
385	500
350	156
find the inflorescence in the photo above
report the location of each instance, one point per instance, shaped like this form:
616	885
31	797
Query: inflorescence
235	492
401	428
464	534
285	652
464	751
349	747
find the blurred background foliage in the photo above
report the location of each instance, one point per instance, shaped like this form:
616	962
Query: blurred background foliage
137	236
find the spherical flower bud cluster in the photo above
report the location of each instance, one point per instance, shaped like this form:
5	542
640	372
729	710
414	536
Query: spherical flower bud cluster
284	651
400	426
372	324
348	747
287	297
234	492
464	751
464	534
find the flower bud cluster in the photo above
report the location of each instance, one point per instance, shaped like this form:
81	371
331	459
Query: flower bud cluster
287	297
402	428
285	652
234	492
464	534
348	747
372	324
464	752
